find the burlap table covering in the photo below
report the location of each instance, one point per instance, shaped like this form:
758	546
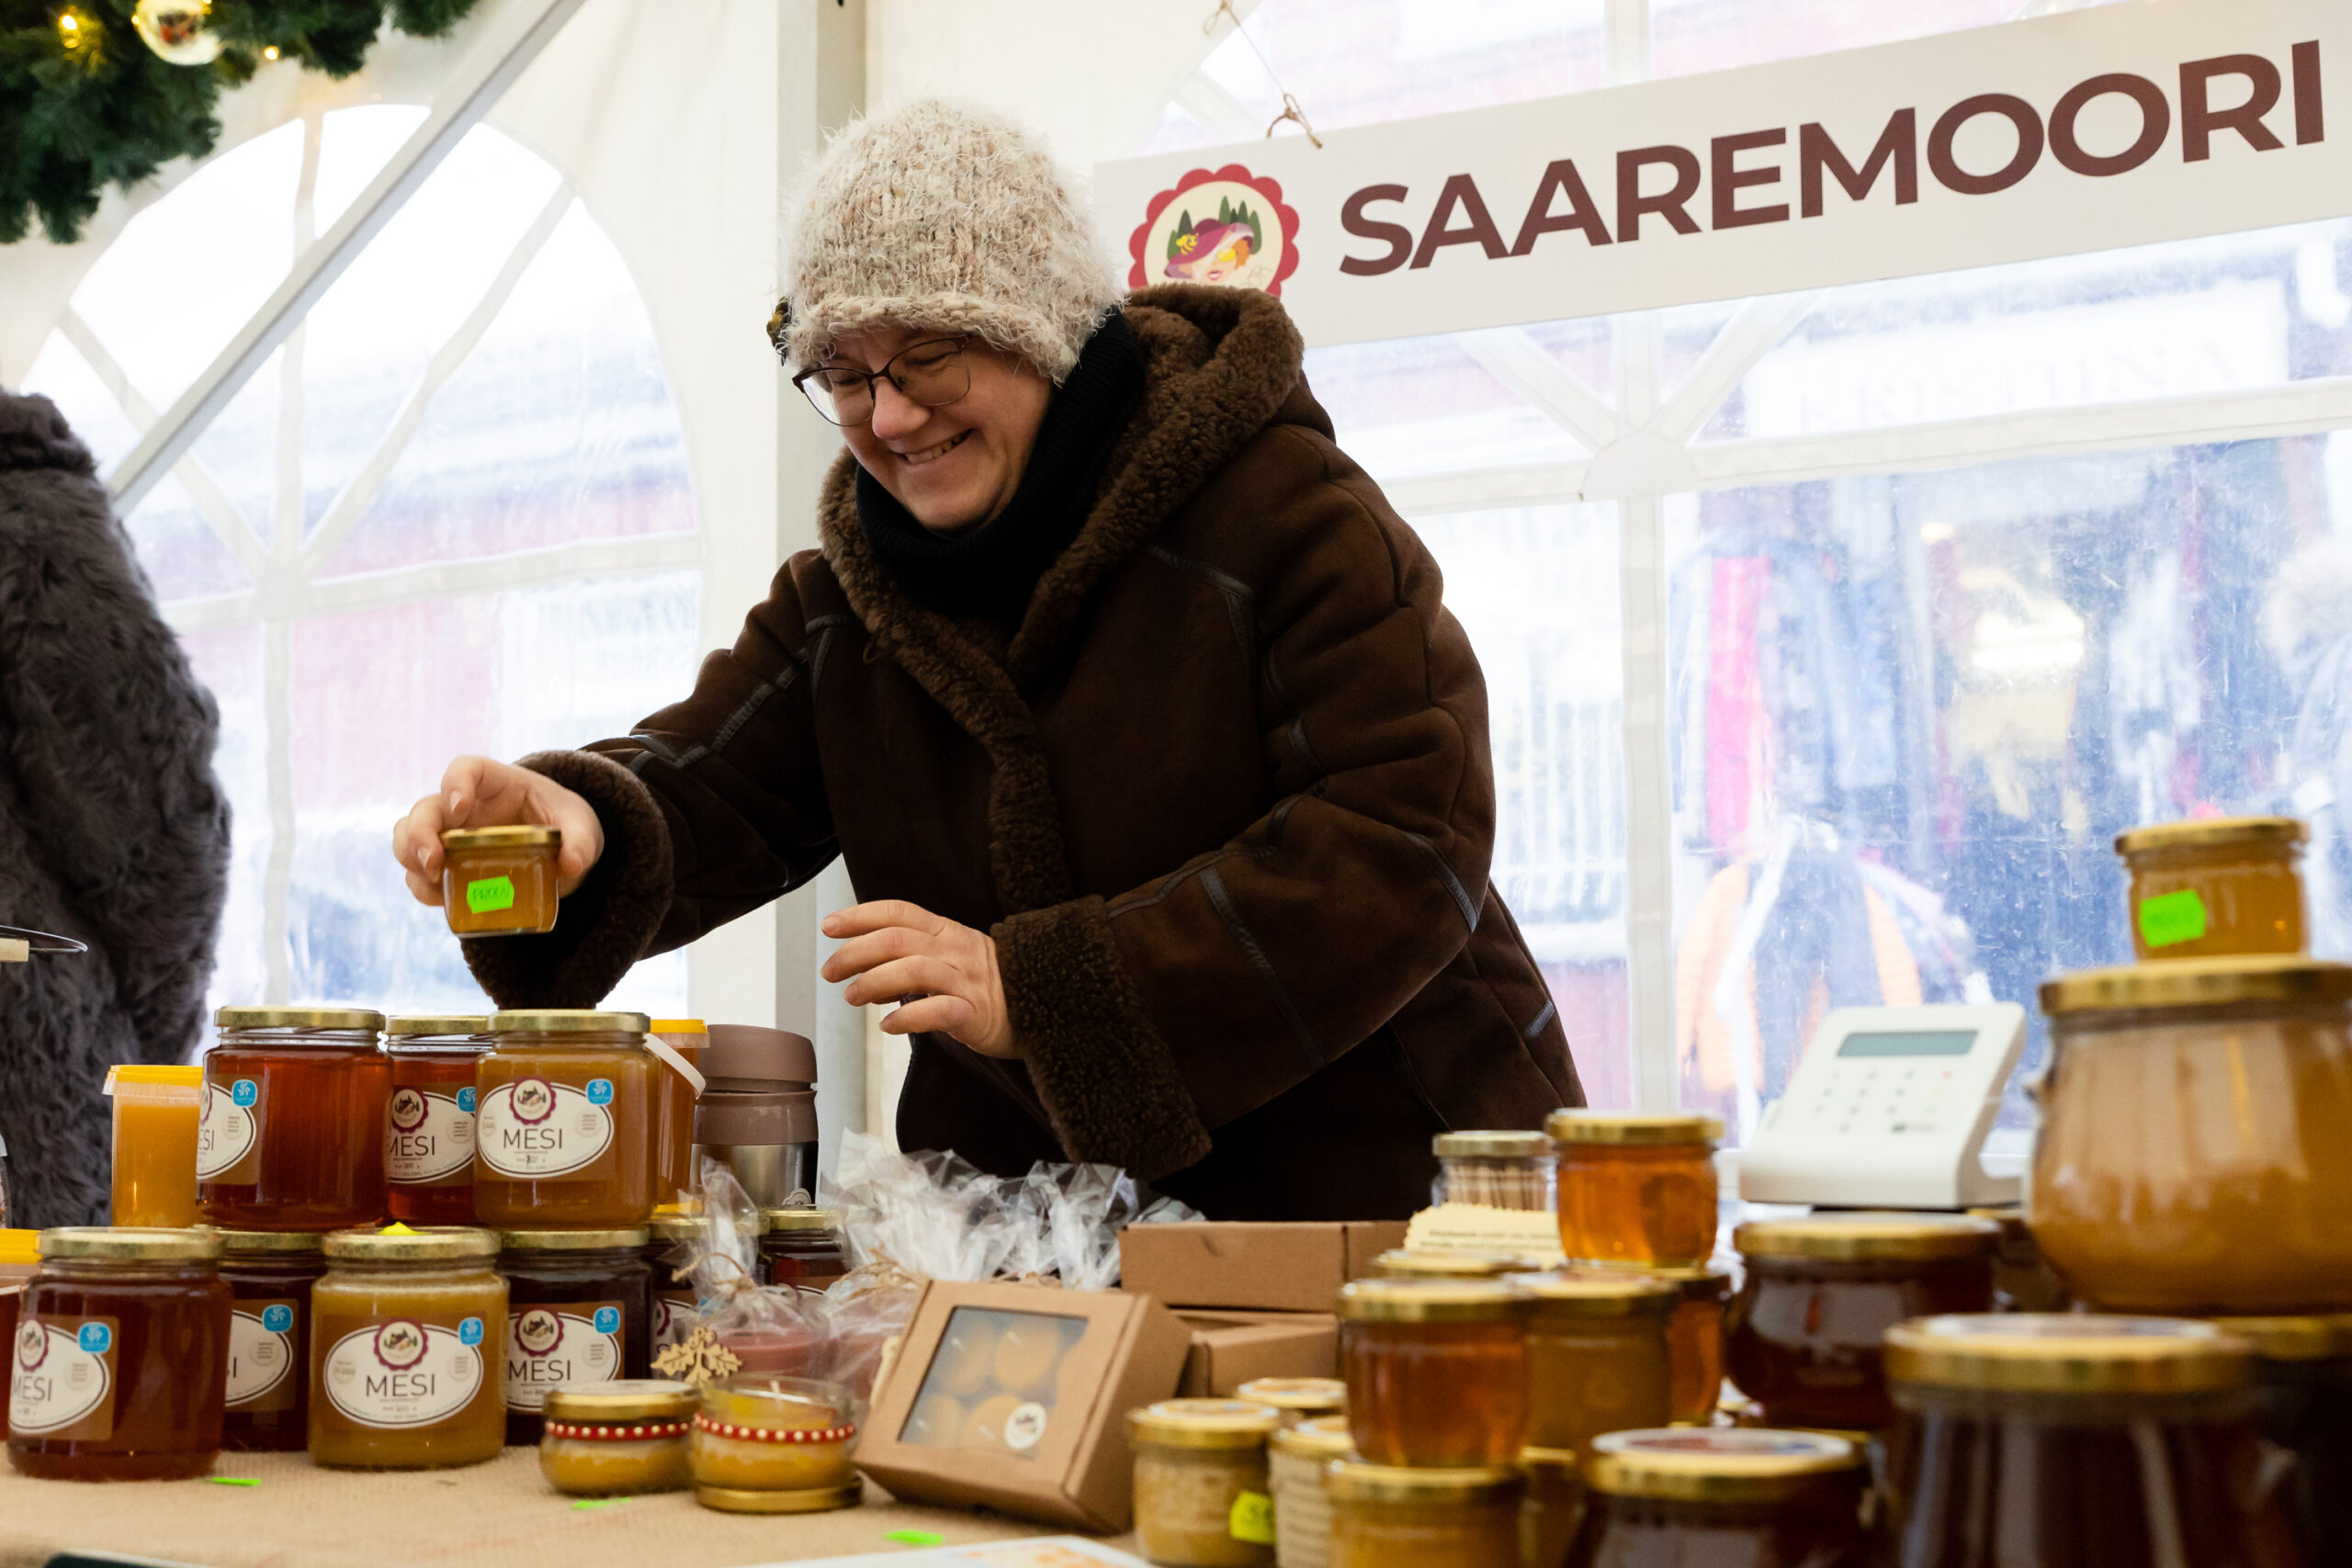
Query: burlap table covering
503	1513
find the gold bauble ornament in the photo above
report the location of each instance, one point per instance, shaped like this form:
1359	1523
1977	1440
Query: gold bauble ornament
179	31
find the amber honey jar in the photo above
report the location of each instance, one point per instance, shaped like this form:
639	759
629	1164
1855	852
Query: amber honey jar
674	1108
766	1444
1719	1498
1436	1370
2079	1441
156	1110
499	881
2214	888
1636	1187
1597	1356
406	1330
292	1131
2303	1377
673	1239
564	1122
578	1311
1391	1516
2192	1157
1295	1458
618	1439
119	1357
269	1275
1495	1170
1202	1495
1552	1509
1442	1263
1802	1337
429	1128
1694	1340
802	1247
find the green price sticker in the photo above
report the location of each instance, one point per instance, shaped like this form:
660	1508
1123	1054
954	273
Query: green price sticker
1252	1519
2169	919
489	894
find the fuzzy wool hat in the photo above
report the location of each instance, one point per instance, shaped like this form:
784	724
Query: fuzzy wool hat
942	218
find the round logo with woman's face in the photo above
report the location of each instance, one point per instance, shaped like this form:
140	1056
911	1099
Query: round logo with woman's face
1227	227
538	1331
399	1344
408	1110
33	1344
533	1100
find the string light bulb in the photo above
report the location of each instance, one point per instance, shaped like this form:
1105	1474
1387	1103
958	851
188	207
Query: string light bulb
69	26
270	53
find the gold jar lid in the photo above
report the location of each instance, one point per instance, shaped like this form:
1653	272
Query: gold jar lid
1360	1480
436	1023
516	836
1434	1300
1866	1233
1634	1127
568	1021
1492	1145
241	1244
1600	1295
2214	833
240	1018
2320	1339
673	1227
1550	1464
1692	1282
1716	1464
1325	1437
2066	1353
130	1244
1317	1394
1205	1424
1437	1263
799	1218
573	1241
782	1500
421	1244
624	1399
2198	983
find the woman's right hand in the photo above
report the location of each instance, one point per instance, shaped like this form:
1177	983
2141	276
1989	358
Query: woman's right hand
479	793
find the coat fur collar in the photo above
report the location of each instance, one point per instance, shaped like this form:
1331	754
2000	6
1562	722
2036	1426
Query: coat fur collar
33	434
1218	364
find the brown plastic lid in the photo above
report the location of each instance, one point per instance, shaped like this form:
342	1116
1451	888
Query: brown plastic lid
756	1058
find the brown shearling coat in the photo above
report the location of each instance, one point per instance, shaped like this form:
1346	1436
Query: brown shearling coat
1224	799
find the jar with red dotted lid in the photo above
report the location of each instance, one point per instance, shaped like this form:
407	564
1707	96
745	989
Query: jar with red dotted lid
621	1438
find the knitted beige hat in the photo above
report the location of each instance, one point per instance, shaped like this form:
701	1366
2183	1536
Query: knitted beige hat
938	217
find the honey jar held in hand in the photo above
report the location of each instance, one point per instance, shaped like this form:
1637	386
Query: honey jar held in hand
499	881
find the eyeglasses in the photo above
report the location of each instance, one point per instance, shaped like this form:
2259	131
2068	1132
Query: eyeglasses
932	373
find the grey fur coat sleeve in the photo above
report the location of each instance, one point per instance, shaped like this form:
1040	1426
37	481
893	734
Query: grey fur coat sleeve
112	826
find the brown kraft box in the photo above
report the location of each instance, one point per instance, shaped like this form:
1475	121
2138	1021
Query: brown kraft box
1231	1349
1015	1398
1272	1266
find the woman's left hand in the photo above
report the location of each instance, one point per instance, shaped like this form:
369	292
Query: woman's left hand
944	973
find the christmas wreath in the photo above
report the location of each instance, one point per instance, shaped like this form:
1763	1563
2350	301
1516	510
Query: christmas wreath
105	91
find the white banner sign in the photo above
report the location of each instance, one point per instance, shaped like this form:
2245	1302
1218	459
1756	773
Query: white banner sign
2094	129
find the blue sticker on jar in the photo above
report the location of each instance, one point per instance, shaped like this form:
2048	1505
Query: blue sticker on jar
278	1318
608	1320
95	1339
469	1331
600	1092
466	1100
245	1092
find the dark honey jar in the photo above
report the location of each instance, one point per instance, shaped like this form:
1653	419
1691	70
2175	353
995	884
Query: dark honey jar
578	1311
269	1275
429	1132
1720	1497
2302	1376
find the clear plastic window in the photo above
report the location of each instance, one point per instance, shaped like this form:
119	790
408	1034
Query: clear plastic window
994	1382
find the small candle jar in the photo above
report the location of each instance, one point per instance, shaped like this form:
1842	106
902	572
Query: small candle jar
2303	1378
1636	1187
802	1247
292	1132
1298	1399
429	1132
1201	1490
1384	1516
1597	1359
2215	888
156	1110
1549	1518
675	1237
764	1444
269	1275
578	1305
564	1122
1436	1370
405	1328
1750	1495
499	881
1496	1171
1803	1338
1295	1458
1435	1263
618	1439
120	1357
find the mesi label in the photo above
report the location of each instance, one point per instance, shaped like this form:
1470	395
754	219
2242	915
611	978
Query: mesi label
535	1127
229	1131
61	1379
1024	1429
2171	917
261	1356
489	894
429	1137
577	1342
404	1373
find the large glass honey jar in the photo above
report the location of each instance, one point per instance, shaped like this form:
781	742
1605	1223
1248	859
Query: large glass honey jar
429	1132
2216	888
1636	1187
1597	1356
118	1360
269	1275
1436	1370
2078	1441
1802	1337
564	1122
291	1136
2193	1157
2302	1375
1391	1516
405	1331
1719	1498
578	1307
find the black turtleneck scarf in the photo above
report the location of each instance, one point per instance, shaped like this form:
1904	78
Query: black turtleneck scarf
991	569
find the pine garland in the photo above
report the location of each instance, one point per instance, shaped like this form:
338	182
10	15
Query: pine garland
86	106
